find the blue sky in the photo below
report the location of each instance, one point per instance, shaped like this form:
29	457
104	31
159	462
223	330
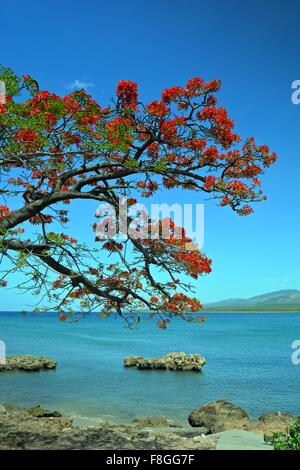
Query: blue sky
252	46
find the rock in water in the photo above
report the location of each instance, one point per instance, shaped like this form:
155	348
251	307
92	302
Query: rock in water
27	363
177	361
219	416
132	361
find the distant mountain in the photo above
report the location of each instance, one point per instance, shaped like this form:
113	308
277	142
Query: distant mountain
285	300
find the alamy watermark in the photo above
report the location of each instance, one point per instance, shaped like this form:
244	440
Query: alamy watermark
2	93
295	97
295	358
130	219
2	352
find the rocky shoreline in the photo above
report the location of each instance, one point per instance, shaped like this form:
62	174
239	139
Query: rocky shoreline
36	428
216	425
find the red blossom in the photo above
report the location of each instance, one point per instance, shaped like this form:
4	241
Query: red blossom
127	93
171	94
69	239
210	182
4	211
26	135
158	109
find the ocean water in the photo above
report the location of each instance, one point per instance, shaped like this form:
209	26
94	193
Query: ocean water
248	362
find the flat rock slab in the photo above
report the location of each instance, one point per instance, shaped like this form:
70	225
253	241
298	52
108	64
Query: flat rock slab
238	439
27	363
176	361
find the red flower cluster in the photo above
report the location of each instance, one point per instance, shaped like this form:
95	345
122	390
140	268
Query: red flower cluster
238	187
245	210
40	218
58	283
213	86
69	239
194	262
225	201
112	246
3	109
170	183
127	93
181	303
171	94
148	187
158	109
4	211
26	135
196	144
194	84
194	87
210	155
119	130
210	182
223	126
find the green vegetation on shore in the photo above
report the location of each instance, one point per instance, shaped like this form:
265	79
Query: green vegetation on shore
290	440
257	309
279	301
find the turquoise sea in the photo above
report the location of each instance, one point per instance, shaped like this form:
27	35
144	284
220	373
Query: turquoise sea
248	362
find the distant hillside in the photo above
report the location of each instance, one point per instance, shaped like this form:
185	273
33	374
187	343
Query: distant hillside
283	300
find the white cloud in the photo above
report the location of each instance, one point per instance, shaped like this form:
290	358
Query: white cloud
78	85
285	280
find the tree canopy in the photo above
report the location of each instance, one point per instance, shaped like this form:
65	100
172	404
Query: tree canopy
58	149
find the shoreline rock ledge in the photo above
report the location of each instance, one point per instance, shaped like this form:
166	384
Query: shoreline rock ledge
222	415
27	364
175	361
40	429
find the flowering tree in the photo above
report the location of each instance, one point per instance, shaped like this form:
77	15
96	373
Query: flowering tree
54	150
